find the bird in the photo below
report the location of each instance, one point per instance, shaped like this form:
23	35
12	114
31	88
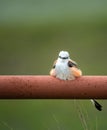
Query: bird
65	68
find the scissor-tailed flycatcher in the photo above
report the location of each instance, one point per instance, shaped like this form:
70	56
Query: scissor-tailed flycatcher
66	69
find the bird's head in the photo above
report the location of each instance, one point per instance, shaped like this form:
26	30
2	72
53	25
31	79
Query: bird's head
63	56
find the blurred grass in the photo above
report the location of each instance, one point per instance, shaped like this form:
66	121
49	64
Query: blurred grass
31	35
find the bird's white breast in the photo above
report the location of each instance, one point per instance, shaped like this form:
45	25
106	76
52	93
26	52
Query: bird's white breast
62	71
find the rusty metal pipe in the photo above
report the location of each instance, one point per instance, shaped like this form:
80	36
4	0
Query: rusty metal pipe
47	87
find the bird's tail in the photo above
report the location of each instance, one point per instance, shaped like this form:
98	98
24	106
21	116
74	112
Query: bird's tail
96	104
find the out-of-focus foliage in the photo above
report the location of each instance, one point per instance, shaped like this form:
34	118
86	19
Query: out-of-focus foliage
32	33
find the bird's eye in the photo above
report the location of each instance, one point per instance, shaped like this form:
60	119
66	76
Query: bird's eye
63	57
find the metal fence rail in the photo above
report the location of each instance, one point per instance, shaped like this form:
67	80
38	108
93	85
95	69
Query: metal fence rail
47	87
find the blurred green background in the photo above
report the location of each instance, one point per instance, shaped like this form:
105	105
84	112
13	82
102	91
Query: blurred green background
32	32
